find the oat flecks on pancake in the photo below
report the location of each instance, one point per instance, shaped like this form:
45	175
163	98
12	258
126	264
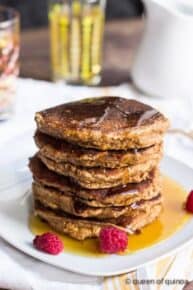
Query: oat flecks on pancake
104	123
61	151
117	196
53	199
94	178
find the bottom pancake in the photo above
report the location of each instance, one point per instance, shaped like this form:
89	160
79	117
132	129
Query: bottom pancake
81	229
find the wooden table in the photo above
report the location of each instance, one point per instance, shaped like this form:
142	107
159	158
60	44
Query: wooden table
121	39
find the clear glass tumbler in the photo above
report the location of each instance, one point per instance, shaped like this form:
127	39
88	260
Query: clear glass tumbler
9	56
76	33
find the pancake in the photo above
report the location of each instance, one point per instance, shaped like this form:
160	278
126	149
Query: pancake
118	196
53	199
93	178
106	123
80	228
61	151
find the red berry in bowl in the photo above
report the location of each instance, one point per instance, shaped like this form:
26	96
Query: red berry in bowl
189	202
112	240
48	243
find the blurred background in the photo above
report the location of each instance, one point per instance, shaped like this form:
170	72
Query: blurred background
55	45
122	32
34	12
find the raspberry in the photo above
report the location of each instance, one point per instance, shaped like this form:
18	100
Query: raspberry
112	240
189	202
49	243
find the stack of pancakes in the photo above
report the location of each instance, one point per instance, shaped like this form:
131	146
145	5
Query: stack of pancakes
98	165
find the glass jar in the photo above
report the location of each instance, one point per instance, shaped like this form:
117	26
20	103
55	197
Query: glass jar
76	33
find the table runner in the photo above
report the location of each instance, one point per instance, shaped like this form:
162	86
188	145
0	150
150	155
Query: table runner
28	273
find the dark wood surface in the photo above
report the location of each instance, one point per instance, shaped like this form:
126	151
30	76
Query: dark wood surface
121	39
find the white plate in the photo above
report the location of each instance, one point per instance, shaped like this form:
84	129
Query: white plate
14	181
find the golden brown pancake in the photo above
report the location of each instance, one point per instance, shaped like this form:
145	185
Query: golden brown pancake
117	196
53	199
97	177
104	123
61	151
81	228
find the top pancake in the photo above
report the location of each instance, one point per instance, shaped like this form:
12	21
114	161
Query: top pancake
104	123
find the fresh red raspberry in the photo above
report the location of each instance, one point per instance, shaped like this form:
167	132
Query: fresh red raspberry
49	243
189	202
112	240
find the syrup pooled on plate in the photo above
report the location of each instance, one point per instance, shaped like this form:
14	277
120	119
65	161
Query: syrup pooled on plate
171	220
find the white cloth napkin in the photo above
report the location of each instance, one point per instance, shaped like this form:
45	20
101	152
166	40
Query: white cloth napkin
20	272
